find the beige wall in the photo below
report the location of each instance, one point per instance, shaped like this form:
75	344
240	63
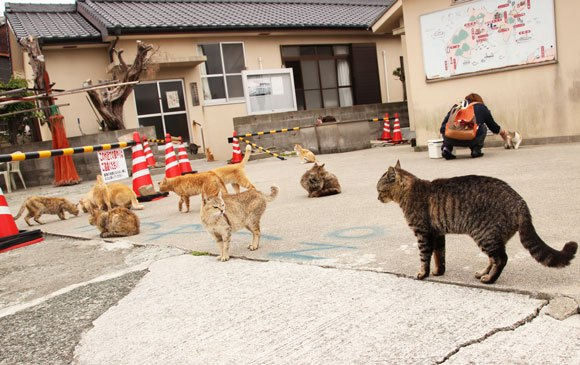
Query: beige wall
540	101
260	51
70	67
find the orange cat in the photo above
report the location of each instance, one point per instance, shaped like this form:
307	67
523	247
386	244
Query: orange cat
305	154
208	184
106	196
235	174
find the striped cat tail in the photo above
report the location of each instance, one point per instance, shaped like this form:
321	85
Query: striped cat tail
273	193
22	207
539	250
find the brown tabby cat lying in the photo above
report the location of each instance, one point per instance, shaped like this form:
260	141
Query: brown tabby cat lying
485	208
117	222
235	174
226	214
319	182
208	184
39	205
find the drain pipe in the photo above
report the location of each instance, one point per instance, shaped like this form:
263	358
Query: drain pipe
385	70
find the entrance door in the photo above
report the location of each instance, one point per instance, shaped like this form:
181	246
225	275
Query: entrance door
162	104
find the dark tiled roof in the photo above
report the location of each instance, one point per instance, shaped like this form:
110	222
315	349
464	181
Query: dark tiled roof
50	22
183	15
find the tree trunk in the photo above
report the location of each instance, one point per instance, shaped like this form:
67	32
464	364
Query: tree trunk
109	102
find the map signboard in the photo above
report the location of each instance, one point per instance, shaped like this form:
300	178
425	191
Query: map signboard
113	165
486	35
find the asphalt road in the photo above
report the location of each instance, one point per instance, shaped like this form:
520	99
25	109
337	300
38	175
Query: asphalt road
331	282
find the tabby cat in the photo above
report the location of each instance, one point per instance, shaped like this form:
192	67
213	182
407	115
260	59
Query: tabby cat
305	154
207	184
39	205
319	182
117	222
485	208
235	174
226	214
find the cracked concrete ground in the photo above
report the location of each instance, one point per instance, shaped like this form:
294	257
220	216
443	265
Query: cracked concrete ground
313	293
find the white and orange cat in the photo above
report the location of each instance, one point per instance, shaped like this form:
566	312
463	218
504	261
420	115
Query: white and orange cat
236	174
304	154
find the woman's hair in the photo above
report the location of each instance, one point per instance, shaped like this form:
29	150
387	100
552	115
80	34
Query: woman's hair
473	98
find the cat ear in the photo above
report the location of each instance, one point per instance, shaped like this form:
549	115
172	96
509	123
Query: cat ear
398	165
391	174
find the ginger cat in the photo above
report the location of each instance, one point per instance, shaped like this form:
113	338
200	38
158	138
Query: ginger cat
305	154
117	222
39	205
225	214
106	196
235	174
208	184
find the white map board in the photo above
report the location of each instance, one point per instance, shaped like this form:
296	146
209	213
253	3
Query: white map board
486	35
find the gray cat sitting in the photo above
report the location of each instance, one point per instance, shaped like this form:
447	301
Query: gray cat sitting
319	182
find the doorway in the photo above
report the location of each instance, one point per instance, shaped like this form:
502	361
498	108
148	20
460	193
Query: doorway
162	104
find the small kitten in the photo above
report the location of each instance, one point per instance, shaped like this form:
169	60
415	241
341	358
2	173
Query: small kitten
39	205
226	214
485	208
208	184
117	222
513	140
235	174
319	182
305	154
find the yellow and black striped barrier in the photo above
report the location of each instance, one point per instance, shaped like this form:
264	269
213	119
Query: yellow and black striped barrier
378	119
261	148
21	156
283	130
162	141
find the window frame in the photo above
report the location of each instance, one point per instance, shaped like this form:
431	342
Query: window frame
224	75
317	58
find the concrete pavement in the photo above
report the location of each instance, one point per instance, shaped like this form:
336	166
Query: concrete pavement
188	309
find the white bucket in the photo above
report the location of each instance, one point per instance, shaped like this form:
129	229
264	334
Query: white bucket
434	146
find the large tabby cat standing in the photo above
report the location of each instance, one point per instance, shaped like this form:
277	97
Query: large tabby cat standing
226	214
319	182
485	208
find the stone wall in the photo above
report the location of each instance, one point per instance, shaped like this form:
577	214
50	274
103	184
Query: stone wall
39	172
336	137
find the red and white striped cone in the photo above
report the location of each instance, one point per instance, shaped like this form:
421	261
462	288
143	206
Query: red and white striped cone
386	136
148	153
10	236
397	136
171	164
184	164
141	175
237	153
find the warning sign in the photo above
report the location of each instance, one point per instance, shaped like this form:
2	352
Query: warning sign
113	165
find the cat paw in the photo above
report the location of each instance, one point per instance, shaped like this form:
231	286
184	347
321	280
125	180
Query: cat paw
223	258
422	275
252	247
486	279
438	271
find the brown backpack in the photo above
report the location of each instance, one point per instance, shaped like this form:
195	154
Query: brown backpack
462	124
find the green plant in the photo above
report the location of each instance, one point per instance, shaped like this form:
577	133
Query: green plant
13	124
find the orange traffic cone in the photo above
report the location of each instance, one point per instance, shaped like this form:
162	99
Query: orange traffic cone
386	136
397	136
184	164
148	153
236	154
171	164
142	182
10	236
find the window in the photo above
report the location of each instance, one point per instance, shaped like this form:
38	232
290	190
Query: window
322	75
221	74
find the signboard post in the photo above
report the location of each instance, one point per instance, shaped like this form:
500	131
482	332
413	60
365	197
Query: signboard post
113	165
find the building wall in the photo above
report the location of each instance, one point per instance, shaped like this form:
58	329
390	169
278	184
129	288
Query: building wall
539	101
261	52
69	68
